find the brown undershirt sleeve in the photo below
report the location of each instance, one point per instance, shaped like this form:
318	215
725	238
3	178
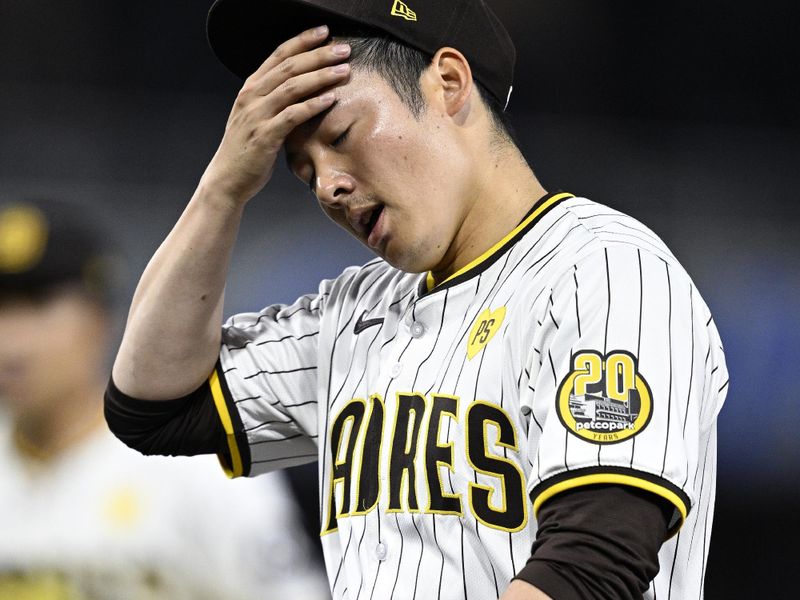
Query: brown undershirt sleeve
598	542
182	427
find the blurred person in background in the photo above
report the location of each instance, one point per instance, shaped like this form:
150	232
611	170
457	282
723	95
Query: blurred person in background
81	515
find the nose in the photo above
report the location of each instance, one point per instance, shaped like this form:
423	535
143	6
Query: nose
333	188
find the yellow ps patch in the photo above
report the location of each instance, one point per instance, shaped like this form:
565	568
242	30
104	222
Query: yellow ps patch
484	329
23	238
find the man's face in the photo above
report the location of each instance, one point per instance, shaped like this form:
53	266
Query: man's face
398	183
50	347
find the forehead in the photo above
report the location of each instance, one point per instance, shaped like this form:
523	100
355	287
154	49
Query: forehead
365	95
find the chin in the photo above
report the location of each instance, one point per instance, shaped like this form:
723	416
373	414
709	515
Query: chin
410	261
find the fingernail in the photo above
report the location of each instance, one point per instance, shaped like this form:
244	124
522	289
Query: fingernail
341	49
326	98
321	31
339	69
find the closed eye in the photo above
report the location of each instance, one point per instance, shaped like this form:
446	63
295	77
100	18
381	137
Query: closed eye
341	139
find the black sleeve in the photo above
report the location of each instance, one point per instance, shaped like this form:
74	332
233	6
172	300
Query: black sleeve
182	427
598	542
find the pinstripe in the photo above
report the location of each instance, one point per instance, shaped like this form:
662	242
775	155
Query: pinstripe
353	355
691	375
280	340
341	560
285	439
669	387
577	307
674	562
360	574
265	423
645	236
438	337
706	531
421	554
286	372
353	394
441	552
249	398
457	340
399	562
608	302
281	458
463	569
324	446
608	320
475	473
279	315
702	486
378	571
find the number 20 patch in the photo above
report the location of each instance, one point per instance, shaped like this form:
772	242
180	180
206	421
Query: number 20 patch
604	399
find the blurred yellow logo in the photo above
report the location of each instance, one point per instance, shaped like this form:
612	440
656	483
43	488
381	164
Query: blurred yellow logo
124	508
23	238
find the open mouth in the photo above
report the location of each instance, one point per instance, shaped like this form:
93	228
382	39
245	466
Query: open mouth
372	219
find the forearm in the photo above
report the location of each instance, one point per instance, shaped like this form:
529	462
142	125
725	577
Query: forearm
520	590
172	336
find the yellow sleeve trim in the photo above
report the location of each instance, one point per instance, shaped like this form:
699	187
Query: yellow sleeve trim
599	478
235	469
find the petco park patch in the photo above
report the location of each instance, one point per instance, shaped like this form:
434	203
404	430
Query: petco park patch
604	399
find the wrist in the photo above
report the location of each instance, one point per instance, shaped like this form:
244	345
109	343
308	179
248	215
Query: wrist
214	193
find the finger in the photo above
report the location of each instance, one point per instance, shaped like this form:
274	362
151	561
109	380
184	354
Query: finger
297	65
302	87
297	114
305	41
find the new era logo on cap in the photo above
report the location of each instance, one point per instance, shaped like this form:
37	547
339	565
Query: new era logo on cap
399	9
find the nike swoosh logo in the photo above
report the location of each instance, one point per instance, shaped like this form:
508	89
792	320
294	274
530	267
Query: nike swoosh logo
363	324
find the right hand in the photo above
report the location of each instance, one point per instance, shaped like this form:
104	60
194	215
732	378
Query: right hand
288	89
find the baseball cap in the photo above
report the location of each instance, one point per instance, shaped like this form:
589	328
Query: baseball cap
44	244
243	33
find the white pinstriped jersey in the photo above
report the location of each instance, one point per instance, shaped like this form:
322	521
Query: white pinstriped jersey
576	351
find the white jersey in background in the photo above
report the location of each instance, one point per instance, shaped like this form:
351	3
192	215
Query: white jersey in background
103	522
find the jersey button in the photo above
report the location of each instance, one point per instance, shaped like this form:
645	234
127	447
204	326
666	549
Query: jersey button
397	368
380	551
417	330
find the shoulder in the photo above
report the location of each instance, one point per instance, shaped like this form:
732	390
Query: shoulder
579	231
601	226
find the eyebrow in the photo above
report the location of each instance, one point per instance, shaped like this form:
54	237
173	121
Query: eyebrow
291	157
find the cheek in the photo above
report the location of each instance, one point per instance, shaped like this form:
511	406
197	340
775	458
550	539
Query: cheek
396	152
60	347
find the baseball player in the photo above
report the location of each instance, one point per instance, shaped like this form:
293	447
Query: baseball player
83	516
517	399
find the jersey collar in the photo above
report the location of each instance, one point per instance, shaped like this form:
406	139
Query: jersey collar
485	260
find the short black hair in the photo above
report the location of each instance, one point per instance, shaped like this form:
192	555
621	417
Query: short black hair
402	66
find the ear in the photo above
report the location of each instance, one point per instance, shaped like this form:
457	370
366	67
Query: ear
449	80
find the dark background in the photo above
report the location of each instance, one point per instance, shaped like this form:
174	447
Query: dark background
686	115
